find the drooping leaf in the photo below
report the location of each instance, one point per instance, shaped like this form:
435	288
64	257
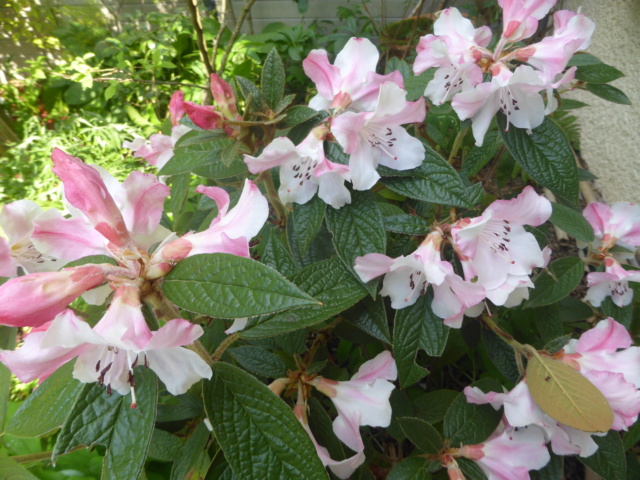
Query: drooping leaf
468	423
272	80
329	282
47	407
545	155
609	461
598	73
370	316
572	222
357	229
258	432
608	92
501	354
305	221
97	418
434	181
259	360
417	328
567	396
422	434
229	286
568	273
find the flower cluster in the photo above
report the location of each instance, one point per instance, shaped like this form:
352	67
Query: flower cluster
496	252
366	111
605	357
121	221
459	52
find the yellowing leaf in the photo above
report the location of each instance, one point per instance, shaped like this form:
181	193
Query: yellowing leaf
567	396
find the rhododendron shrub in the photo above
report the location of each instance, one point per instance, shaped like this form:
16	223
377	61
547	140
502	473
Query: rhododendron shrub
368	286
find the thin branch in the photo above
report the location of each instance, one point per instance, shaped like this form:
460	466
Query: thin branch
192	5
216	43
416	14
373	23
234	35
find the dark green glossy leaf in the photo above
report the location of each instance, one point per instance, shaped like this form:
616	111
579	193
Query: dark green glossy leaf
501	354
479	156
305	221
258	432
417	328
191	459
609	461
164	447
413	468
572	222
608	92
551	471
218	170
407	224
421	434
582	58
300	114
228	286
471	469
432	406
370	316
272	80
276	255
260	361
545	155
189	158
568	273
598	73
357	229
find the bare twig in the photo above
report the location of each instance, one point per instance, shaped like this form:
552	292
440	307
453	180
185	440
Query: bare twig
216	42
416	14
236	31
373	23
192	5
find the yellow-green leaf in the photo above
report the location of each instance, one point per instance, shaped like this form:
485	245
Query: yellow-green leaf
567	396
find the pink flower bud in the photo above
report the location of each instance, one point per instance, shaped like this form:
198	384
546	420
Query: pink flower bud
224	97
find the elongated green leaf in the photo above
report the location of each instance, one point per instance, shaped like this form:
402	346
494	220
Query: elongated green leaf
299	114
272	80
193	455
370	316
12	470
97	418
357	229
47	407
609	92
471	469
164	447
191	157
568	273
479	156
582	58
417	328
434	181
305	221
599	73
572	222
258	432
407	224
609	461
421	434
276	255
501	354
432	406
567	396
97	259
218	170
468	423
259	360
545	155
632	436
328	282
228	286
250	92
413	468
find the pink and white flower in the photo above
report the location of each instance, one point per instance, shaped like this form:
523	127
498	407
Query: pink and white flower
17	250
372	138
509	453
407	278
304	170
108	353
352	80
496	250
618	224
520	18
516	94
613	282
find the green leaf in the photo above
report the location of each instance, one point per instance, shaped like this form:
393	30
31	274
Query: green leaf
586	175
97	418
567	396
470	469
250	92
305	221
260	361
218	170
322	428
582	58
572	222
479	156
413	468
300	114
164	446
407	224
568	273
272	80
191	458
434	181
7	342
276	255
370	316
47	407
501	354
421	434
329	282
258	432
571	104
468	423
609	461
551	471
228	286
608	92
545	155
357	229
416	84
285	102
416	328
632	436
12	470
97	259
598	73
191	157
548	322
179	192
433	406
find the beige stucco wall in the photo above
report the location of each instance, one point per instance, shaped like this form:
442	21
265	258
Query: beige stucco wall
610	139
